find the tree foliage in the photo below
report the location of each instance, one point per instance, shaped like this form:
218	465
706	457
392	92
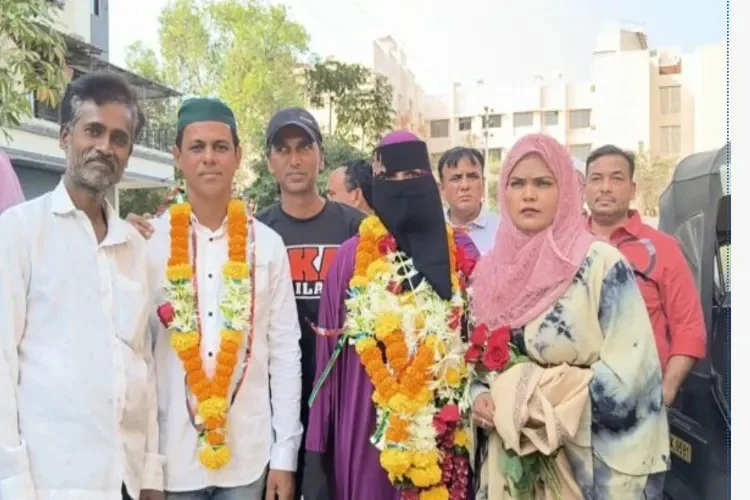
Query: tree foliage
32	58
244	52
264	191
329	80
652	174
367	112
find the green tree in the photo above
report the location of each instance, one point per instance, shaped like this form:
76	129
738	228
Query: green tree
367	112
652	174
264	191
244	52
329	80
141	200
32	58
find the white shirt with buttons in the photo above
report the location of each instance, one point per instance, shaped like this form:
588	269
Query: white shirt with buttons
264	427
77	386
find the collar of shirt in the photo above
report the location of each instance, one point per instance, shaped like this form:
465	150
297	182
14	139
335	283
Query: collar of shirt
62	204
632	226
480	221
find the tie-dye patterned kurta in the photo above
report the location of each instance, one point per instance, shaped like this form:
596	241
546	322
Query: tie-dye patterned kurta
601	322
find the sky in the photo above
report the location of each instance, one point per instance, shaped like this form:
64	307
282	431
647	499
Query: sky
500	41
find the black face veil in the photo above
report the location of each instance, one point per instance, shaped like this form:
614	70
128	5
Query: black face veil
412	212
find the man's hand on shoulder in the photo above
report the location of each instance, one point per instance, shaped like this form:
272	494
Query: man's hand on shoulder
141	224
151	495
280	485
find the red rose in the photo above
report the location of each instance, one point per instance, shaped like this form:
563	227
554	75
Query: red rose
465	264
472	354
455	318
387	244
394	287
165	313
449	414
439	425
502	332
498	351
479	335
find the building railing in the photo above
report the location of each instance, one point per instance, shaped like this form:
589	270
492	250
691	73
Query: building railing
153	136
157	136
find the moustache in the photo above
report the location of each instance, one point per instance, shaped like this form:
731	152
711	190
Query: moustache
108	161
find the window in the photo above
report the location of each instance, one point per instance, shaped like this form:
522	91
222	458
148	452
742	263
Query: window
494	121
670	140
523	119
440	128
551	118
580	118
670	100
464	124
580	151
95	7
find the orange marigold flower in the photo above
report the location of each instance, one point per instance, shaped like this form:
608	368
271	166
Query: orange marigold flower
224	370
226	358
215	437
187	354
195	377
192	364
214	422
229	346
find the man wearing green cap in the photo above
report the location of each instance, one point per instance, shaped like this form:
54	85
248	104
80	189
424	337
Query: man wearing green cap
226	333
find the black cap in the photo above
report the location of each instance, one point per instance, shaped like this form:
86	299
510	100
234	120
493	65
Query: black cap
297	117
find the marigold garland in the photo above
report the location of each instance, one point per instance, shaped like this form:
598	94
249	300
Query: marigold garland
410	347
185	336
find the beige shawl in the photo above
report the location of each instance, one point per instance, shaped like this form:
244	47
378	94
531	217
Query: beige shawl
549	407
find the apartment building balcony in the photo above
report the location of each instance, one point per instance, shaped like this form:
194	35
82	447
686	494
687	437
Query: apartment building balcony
34	147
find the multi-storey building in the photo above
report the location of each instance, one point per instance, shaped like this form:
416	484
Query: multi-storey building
662	101
33	147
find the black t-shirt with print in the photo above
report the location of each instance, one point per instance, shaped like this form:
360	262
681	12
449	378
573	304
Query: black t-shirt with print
311	247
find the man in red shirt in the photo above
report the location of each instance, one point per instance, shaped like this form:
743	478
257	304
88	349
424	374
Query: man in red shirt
663	274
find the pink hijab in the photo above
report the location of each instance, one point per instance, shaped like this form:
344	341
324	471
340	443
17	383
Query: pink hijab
525	274
10	188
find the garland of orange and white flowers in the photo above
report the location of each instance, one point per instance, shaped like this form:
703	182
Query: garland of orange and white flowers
212	393
424	372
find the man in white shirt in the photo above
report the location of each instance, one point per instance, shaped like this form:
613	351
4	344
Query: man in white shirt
229	377
77	388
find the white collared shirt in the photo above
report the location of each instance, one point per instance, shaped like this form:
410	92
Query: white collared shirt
264	421
481	230
77	388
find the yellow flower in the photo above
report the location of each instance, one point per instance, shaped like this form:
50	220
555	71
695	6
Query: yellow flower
437	493
387	323
232	336
236	270
401	404
407	299
461	438
424	477
358	281
396	462
365	343
453	377
437	345
214	457
184	341
212	407
376	268
425	458
181	272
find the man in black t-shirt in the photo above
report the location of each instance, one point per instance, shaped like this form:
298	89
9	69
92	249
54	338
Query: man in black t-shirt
312	228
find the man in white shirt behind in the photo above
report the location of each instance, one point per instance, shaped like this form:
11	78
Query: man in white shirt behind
77	389
229	377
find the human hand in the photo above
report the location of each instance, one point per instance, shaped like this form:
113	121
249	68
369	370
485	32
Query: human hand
141	224
151	495
280	485
483	411
669	393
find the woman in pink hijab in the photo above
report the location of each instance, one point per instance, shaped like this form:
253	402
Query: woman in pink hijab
10	188
570	303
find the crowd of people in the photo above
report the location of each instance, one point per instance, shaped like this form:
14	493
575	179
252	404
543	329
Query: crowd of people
365	345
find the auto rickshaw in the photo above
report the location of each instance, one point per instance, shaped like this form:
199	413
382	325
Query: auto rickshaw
695	208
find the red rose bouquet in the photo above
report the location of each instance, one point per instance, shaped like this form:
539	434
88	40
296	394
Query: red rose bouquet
490	353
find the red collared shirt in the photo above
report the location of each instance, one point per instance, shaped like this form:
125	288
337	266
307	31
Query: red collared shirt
667	286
